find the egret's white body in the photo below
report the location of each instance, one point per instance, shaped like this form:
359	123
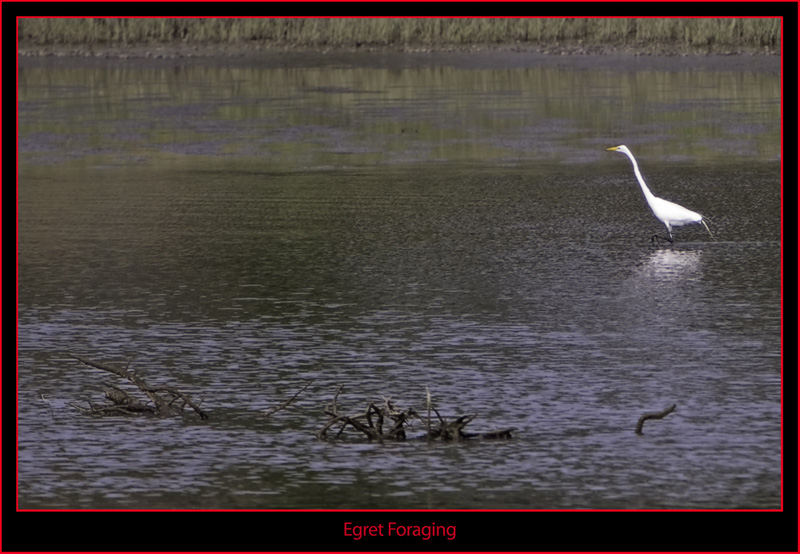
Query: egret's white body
669	213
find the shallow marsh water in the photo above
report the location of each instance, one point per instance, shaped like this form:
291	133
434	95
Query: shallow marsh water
237	229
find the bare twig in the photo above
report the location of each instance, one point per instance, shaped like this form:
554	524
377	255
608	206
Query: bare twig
428	402
286	403
46	401
177	394
333	408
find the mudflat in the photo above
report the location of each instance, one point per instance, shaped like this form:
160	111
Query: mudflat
474	57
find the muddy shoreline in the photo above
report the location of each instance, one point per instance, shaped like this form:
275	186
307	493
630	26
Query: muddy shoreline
472	57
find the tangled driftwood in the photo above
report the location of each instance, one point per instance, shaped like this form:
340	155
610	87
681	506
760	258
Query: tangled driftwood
166	401
387	422
380	421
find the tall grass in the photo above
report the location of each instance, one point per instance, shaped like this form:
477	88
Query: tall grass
430	32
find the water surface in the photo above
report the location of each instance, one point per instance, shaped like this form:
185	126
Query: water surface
238	231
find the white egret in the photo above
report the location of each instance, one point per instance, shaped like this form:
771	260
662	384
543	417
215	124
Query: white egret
669	213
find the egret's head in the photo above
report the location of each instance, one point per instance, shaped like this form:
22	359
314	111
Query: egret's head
621	148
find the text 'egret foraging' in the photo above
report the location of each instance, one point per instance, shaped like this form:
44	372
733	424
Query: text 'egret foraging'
669	213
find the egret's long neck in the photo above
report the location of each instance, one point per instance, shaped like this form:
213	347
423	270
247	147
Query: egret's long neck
647	194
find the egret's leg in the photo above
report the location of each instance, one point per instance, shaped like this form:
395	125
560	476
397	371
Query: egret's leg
655	238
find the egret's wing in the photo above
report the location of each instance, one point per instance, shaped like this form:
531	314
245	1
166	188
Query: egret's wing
674	214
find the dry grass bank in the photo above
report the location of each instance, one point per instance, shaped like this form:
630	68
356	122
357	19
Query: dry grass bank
716	35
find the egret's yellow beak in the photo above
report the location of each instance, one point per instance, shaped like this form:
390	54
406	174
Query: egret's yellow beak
613	148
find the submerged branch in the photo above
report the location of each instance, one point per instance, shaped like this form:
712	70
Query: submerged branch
123	403
657	415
